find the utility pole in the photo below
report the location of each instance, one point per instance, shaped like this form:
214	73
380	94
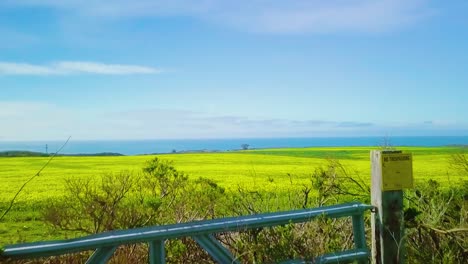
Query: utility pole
46	149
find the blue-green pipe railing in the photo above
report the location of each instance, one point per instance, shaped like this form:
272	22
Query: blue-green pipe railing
202	232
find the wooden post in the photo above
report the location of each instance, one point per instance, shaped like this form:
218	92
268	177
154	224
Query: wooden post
391	172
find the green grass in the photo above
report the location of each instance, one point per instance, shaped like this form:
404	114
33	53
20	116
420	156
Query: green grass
266	169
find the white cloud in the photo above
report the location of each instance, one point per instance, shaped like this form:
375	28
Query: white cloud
9	68
74	67
101	68
293	16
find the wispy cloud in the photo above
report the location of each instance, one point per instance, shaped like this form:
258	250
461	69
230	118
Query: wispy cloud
329	16
50	121
354	124
74	67
293	16
101	68
9	68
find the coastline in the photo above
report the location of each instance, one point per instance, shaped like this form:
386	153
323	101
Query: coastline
160	146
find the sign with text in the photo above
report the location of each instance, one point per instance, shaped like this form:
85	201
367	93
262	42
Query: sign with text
397	171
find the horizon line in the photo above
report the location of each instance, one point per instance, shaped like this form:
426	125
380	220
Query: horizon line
229	138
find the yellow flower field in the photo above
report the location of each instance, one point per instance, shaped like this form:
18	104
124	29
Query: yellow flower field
263	169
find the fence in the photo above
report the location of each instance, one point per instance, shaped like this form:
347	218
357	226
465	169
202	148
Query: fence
105	244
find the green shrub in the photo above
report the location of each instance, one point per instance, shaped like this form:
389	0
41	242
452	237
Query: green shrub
435	217
436	223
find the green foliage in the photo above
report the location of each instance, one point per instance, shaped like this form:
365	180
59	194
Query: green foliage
459	161
118	201
334	184
159	195
19	153
162	178
296	241
112	202
162	195
437	223
14	153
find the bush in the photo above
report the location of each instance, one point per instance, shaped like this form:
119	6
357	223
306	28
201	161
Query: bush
160	194
436	222
114	201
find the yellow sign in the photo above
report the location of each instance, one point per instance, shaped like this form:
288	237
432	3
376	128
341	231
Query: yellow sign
397	171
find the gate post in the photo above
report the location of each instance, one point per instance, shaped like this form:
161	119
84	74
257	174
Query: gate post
391	172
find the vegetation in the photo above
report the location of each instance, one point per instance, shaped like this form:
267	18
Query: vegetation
459	161
14	153
436	221
85	195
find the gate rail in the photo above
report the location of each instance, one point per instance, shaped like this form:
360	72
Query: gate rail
202	232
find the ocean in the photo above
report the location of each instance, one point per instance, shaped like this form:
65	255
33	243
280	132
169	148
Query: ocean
135	147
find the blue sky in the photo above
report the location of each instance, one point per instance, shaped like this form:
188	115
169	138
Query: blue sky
152	69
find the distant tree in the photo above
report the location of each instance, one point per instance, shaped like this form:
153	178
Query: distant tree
245	146
174	151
